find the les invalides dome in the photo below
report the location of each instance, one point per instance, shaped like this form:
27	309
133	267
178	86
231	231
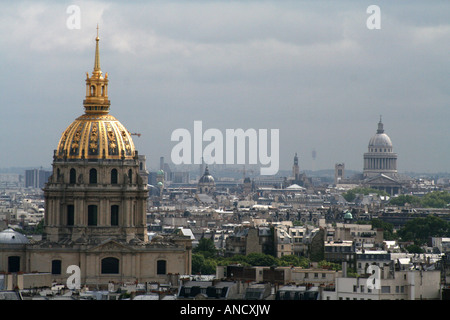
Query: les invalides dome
96	134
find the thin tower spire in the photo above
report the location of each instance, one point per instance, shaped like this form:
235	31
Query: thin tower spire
97	55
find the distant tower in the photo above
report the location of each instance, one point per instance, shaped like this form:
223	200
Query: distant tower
314	155
247	186
201	170
295	168
339	169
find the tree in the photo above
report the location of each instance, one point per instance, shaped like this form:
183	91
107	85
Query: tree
330	265
388	228
292	260
436	199
201	265
198	260
206	247
421	229
350	195
414	248
403	199
261	259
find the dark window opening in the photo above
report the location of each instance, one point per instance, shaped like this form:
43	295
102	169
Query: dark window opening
73	176
13	264
114	215
70	215
92	215
114	176
56	266
161	267
110	266
93	176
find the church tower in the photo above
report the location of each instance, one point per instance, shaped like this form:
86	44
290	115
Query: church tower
96	191
295	168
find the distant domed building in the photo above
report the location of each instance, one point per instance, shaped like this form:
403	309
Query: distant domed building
206	183
10	236
12	250
348	217
380	165
380	158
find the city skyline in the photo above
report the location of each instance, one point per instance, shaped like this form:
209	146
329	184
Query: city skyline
312	70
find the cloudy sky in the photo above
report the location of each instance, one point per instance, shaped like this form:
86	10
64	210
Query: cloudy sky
312	69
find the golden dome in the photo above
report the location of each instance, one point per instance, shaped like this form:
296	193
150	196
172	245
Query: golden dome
96	134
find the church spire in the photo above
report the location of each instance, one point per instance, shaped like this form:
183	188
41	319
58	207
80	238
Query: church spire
96	86
97	56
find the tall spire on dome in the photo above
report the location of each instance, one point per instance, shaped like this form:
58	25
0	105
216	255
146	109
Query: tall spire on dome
96	86
97	55
380	126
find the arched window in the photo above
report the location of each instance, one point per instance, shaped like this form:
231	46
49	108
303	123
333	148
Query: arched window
13	264
92	215
93	176
114	176
114	215
110	265
56	266
161	267
92	91
73	176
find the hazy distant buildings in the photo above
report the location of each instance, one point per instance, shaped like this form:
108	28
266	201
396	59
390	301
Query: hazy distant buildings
36	178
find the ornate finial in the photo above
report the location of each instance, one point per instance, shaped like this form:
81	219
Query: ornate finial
96	86
97	55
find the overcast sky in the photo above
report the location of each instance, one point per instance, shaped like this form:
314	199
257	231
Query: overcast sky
311	69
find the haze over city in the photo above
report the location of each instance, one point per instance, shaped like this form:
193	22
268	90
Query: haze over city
312	69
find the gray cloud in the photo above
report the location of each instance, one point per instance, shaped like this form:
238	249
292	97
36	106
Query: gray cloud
311	69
